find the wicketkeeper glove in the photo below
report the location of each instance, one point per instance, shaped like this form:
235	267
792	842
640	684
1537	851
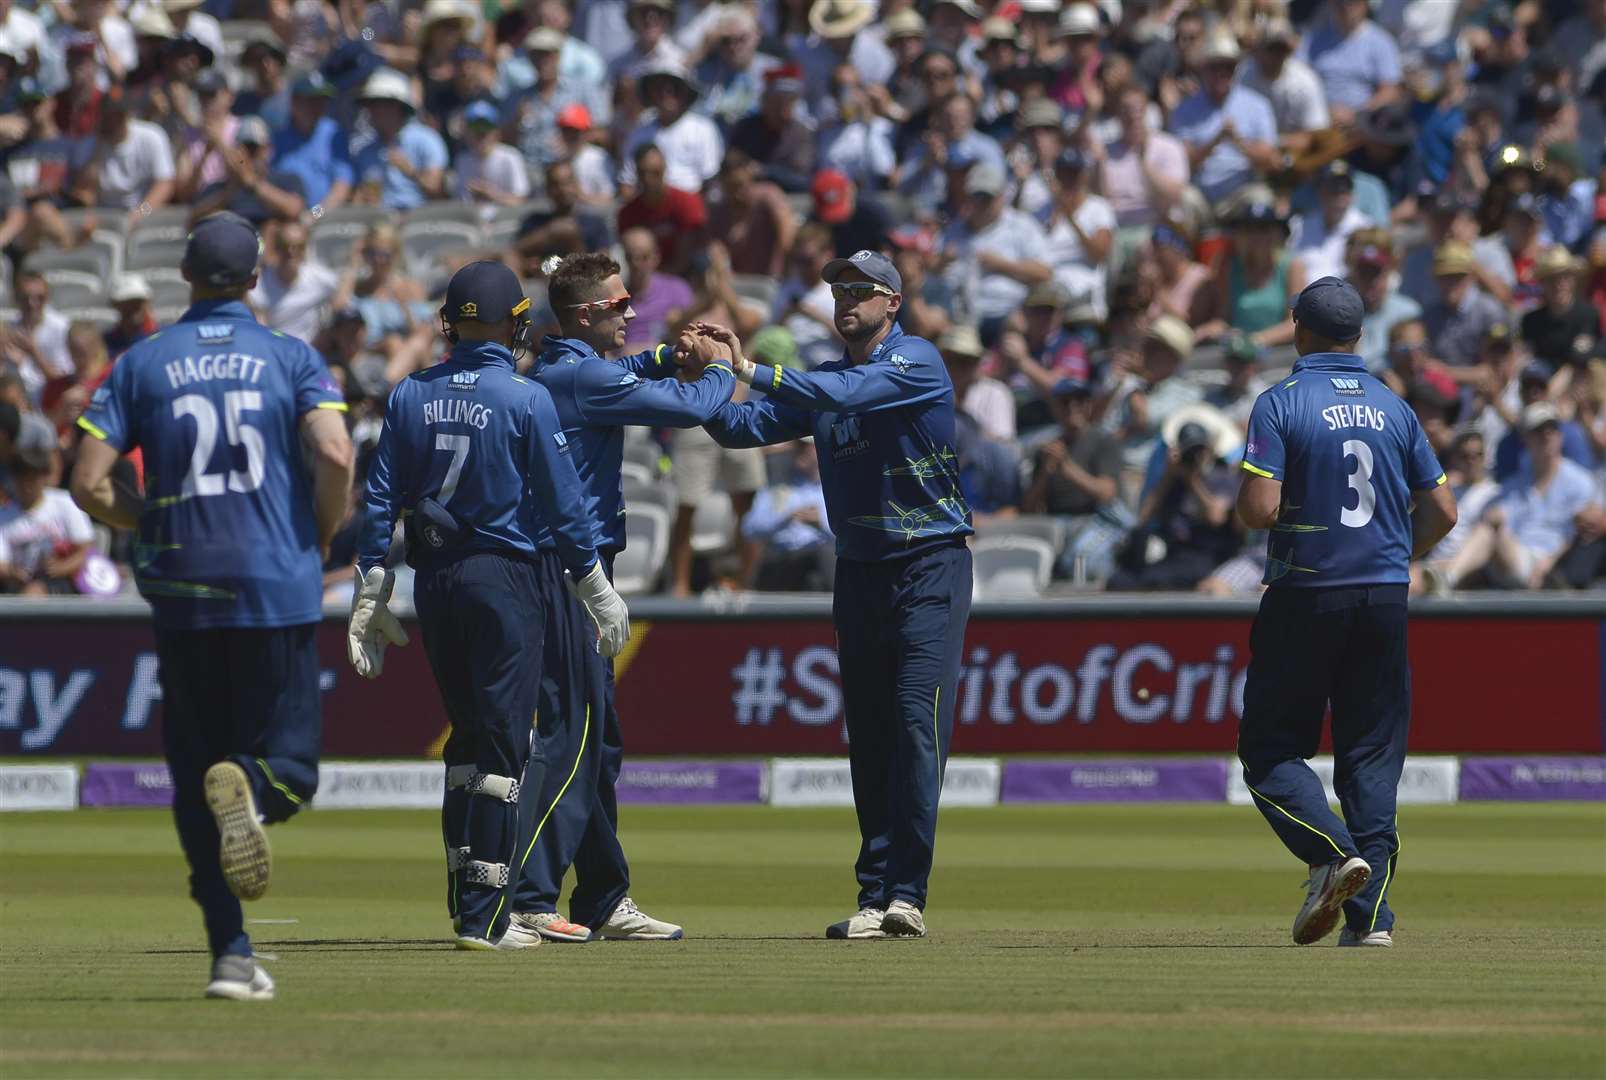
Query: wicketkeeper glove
372	625
606	609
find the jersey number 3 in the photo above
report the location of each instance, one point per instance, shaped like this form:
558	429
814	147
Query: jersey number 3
200	482
1361	481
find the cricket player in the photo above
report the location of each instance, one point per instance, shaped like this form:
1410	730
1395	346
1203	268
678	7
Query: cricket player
473	454
1339	471
883	420
231	529
577	815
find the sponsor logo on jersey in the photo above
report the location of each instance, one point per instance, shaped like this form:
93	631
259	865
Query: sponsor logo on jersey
1344	385
464	380
901	362
846	441
214	331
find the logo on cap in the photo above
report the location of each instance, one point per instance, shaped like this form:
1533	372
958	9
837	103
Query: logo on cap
469	310
862	256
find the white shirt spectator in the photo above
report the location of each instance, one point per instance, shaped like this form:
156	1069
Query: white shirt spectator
24	31
1013	235
1069	259
811	327
1321	248
503	169
1297	99
1470	503
991	404
818	60
132	166
593	171
28	536
665	54
861	150
692	146
50	341
296	308
1124	185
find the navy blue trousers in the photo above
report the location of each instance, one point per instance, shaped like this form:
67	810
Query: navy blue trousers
249	696
484	620
1344	647
577	813
900	631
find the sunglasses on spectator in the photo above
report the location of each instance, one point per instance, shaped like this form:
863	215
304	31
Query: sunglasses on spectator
616	305
1409	348
857	291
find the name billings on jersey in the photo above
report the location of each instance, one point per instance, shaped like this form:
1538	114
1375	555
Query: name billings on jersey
191	369
1353	416
457	411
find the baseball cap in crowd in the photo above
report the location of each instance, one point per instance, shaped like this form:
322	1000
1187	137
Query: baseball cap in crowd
1280	32
253	131
1192	436
312	84
912	238
1077	20
1039	7
785	79
996	28
835	19
1220	46
35	442
386	84
1373	250
1070	388
1257	213
985	179
1537	372
1538	415
1336	176
127	287
1040	112
575	117
831	191
1452	257
1047	294
1555	259
1499	336
903	24
967	8
1072	160
484	291
872	264
961	340
481	112
1174	334
544	39
222	250
1330	307
211	81
267	41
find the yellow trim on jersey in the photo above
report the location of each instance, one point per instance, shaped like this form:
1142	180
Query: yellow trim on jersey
1258	472
725	369
93	430
1444	478
775	380
658	354
337	406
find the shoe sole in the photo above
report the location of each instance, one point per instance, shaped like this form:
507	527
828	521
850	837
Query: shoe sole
897	926
839	932
676	936
1386	944
515	940
464	944
233	991
1322	921
243	849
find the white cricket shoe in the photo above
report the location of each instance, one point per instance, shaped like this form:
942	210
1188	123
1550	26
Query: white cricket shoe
244	844
547	924
1377	939
866	924
239	978
903	919
630	923
1327	889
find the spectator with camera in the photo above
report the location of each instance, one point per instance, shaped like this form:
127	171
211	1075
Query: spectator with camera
1185	527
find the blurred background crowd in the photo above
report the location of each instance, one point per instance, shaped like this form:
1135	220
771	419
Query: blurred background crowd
1100	212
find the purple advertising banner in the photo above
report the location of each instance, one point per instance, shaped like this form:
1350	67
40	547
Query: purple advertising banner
126	784
692	782
1116	780
1534	779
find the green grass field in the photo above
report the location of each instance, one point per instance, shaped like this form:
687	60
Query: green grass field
1123	941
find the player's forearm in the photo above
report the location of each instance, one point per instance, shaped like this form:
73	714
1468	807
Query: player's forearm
108	503
334	467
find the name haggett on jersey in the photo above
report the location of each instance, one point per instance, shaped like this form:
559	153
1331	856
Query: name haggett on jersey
240	366
457	411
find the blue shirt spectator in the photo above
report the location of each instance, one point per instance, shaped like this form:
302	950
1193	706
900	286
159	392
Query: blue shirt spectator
1353	55
313	147
1199	121
405	158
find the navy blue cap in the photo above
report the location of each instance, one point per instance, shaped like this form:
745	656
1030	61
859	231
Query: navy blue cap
872	264
1331	308
1072	160
481	112
484	291
1070	387
312	84
1538	371
1257	213
222	250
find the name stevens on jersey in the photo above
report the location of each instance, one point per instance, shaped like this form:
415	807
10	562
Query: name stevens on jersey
457	411
1353	416
232	365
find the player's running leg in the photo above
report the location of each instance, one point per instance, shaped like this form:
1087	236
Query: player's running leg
1371	718
1294	645
860	611
931	608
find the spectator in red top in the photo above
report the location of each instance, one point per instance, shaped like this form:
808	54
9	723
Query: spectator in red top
131	296
676	219
753	219
1077	87
78	106
64	398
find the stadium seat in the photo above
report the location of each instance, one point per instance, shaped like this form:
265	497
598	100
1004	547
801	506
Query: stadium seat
713	524
466	213
501	232
361	215
86	260
1011	567
169	314
648	493
638	566
425	241
331	241
168	293
635	470
103	317
161	218
1043	527
74	288
147	254
643	452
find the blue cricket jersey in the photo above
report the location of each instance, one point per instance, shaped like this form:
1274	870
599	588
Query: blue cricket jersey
228	537
596	397
885	434
1349	454
484	442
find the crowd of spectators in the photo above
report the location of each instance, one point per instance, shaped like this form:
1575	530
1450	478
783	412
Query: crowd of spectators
1100	211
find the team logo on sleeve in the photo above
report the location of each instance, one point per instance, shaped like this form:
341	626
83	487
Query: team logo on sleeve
1345	385
562	441
629	379
901	362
